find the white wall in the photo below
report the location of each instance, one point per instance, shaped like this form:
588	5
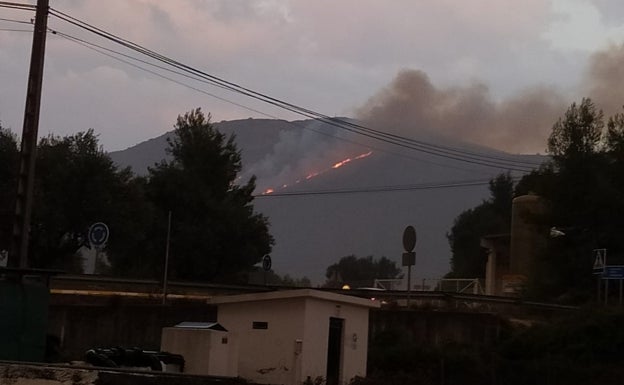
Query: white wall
265	356
270	356
204	350
354	353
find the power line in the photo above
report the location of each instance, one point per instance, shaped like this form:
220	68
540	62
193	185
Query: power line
15	30
379	189
15	21
20	6
111	54
437	150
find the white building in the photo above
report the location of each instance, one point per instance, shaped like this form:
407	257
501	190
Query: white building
286	337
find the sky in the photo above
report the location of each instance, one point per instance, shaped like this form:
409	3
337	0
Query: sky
495	72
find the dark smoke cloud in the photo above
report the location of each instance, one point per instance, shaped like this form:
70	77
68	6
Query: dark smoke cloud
604	81
412	106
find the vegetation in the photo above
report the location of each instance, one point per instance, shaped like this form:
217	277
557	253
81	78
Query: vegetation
585	347
493	216
583	186
360	271
9	153
214	234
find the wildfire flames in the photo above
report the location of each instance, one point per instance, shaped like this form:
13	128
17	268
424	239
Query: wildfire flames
317	173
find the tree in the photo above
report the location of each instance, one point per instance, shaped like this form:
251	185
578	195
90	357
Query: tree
215	232
260	277
9	157
577	136
76	185
584	192
360	272
493	216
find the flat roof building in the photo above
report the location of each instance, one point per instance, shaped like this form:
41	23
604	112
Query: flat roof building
287	337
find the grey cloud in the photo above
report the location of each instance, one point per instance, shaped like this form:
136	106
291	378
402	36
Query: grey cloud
412	106
604	80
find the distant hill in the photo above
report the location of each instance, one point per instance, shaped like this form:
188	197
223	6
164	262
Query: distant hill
254	139
316	228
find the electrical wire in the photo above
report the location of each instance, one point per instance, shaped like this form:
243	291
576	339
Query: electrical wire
15	30
111	54
20	6
437	150
380	189
15	21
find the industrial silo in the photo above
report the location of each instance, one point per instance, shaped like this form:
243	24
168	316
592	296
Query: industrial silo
527	239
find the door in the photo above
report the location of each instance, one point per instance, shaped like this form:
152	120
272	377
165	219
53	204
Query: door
334	350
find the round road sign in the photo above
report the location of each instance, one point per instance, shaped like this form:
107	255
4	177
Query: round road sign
98	234
266	262
409	238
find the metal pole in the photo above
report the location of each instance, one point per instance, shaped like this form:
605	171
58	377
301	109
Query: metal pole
97	259
598	288
164	297
18	255
409	284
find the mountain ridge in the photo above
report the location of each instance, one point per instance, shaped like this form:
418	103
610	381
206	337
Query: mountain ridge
313	231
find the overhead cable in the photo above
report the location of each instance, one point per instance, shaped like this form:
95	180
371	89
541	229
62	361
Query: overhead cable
429	148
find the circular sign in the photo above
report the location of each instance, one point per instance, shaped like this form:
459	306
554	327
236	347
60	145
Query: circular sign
266	262
98	234
409	238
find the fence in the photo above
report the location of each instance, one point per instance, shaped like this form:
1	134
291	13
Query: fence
452	285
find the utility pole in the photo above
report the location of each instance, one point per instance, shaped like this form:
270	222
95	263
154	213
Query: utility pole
18	256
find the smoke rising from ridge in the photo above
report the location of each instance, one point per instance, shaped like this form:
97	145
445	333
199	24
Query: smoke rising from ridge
412	106
298	153
604	79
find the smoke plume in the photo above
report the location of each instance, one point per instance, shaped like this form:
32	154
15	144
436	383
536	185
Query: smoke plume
412	106
604	80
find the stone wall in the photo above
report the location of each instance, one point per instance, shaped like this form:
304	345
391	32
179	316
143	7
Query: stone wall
436	328
76	328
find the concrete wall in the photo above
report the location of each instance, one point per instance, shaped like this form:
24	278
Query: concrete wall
22	374
265	355
82	327
433	328
205	351
294	345
354	349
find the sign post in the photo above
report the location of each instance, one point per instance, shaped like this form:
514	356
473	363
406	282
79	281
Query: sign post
600	261
266	266
98	236
409	256
166	274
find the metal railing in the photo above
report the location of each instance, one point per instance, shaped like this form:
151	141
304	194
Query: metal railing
451	285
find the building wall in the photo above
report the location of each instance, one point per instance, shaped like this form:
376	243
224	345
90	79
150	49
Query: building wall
205	351
265	355
354	350
39	374
294	346
437	328
82	327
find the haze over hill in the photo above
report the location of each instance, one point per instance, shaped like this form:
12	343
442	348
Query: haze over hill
345	207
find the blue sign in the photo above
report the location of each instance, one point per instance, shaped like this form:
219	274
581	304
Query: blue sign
266	262
98	234
613	272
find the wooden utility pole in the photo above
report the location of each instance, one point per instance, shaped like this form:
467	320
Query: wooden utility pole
18	256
